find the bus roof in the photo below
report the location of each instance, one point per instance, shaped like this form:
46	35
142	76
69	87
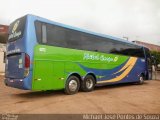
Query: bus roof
82	30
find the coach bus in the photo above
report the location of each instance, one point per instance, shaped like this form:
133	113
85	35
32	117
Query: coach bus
46	55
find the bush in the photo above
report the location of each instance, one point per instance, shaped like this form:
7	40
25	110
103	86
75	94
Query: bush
156	56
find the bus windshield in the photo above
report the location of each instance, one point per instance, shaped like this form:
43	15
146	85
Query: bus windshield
16	29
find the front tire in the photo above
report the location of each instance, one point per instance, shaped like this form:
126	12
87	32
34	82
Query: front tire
88	83
141	80
72	85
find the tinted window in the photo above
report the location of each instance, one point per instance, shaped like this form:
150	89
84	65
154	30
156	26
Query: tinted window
72	39
44	34
38	31
16	29
93	43
64	37
56	36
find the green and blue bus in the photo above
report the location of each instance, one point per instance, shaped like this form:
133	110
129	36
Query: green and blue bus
46	55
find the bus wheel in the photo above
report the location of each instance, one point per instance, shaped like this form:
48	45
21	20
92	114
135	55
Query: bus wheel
72	85
88	83
141	79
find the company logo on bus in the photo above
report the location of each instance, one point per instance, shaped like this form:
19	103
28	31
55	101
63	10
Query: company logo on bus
98	57
14	31
15	27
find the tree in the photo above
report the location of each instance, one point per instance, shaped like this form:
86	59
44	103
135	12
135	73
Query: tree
156	56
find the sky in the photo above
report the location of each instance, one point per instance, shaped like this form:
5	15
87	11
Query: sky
134	19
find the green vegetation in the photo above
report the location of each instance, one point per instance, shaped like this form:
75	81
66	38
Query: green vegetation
156	56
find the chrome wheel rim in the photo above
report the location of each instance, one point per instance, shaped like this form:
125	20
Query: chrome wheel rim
89	83
141	79
73	85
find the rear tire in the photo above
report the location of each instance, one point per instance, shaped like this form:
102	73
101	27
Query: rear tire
88	83
72	85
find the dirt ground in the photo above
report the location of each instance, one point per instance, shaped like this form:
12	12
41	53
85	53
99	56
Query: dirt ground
126	98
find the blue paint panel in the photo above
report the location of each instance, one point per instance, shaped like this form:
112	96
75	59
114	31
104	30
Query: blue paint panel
30	42
133	76
102	72
24	45
111	76
106	73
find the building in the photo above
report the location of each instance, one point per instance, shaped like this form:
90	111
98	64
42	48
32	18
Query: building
3	33
3	39
152	47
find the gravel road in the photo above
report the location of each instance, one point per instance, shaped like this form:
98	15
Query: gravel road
126	98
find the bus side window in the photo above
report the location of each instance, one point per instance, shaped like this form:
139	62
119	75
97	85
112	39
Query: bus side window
44	34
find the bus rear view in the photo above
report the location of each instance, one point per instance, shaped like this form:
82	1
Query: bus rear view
17	60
